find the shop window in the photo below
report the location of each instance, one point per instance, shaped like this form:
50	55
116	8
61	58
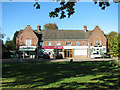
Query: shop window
28	42
84	43
68	43
97	42
48	43
57	43
77	43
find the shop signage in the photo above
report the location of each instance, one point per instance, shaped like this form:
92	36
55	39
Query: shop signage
52	47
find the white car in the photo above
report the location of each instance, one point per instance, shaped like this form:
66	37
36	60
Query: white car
96	56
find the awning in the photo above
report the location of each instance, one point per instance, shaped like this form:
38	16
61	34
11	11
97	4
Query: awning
27	49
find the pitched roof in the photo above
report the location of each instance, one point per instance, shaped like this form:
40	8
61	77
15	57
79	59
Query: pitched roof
61	34
65	34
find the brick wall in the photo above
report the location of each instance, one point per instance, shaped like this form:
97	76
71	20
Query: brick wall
63	43
27	34
97	34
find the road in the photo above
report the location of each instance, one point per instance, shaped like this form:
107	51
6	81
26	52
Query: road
56	60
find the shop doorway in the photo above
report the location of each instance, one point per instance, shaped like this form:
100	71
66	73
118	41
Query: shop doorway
68	53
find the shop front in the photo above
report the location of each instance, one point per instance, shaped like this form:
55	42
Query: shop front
97	51
54	51
75	51
27	51
66	51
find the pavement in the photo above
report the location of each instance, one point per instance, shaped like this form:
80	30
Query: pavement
57	60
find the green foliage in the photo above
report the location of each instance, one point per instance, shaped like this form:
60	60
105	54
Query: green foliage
50	26
68	5
14	37
113	43
10	45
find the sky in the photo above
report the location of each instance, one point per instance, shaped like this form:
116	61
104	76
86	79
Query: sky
17	15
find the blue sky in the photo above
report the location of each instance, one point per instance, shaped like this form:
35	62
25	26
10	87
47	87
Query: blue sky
17	15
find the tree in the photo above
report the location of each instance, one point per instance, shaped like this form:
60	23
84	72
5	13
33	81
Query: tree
113	43
50	26
10	45
14	37
8	38
68	5
119	45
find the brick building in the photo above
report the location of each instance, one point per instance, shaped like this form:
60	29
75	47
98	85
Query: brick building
68	43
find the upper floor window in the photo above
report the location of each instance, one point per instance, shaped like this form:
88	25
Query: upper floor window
28	42
48	43
68	43
77	43
41	43
84	43
97	42
57	43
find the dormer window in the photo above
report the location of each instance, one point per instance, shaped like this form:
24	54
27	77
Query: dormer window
28	42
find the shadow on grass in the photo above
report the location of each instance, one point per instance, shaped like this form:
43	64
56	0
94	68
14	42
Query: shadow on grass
35	75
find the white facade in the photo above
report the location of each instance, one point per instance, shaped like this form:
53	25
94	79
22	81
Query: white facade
78	50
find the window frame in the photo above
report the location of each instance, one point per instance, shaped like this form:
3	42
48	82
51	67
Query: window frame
96	44
58	44
85	43
77	43
49	43
41	43
26	42
68	44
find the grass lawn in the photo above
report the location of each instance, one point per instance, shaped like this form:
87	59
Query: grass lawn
61	75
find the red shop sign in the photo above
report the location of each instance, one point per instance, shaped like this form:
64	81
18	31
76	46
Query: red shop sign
52	47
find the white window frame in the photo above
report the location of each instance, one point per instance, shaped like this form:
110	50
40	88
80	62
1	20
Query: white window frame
26	42
97	42
85	43
57	43
70	43
49	44
77	43
41	43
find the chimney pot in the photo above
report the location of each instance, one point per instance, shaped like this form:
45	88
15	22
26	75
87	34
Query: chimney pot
39	28
28	25
97	26
85	28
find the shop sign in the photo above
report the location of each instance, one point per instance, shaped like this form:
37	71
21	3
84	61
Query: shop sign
52	47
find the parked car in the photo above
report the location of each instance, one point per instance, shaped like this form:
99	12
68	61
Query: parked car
95	55
106	55
59	56
9	55
46	56
41	55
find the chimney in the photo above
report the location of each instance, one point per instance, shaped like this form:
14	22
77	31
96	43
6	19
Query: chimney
97	26
85	28
28	25
39	28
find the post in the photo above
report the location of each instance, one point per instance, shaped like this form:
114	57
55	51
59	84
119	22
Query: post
37	51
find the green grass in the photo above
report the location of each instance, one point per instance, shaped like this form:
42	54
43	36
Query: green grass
61	75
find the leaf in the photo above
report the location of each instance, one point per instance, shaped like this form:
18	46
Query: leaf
103	8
